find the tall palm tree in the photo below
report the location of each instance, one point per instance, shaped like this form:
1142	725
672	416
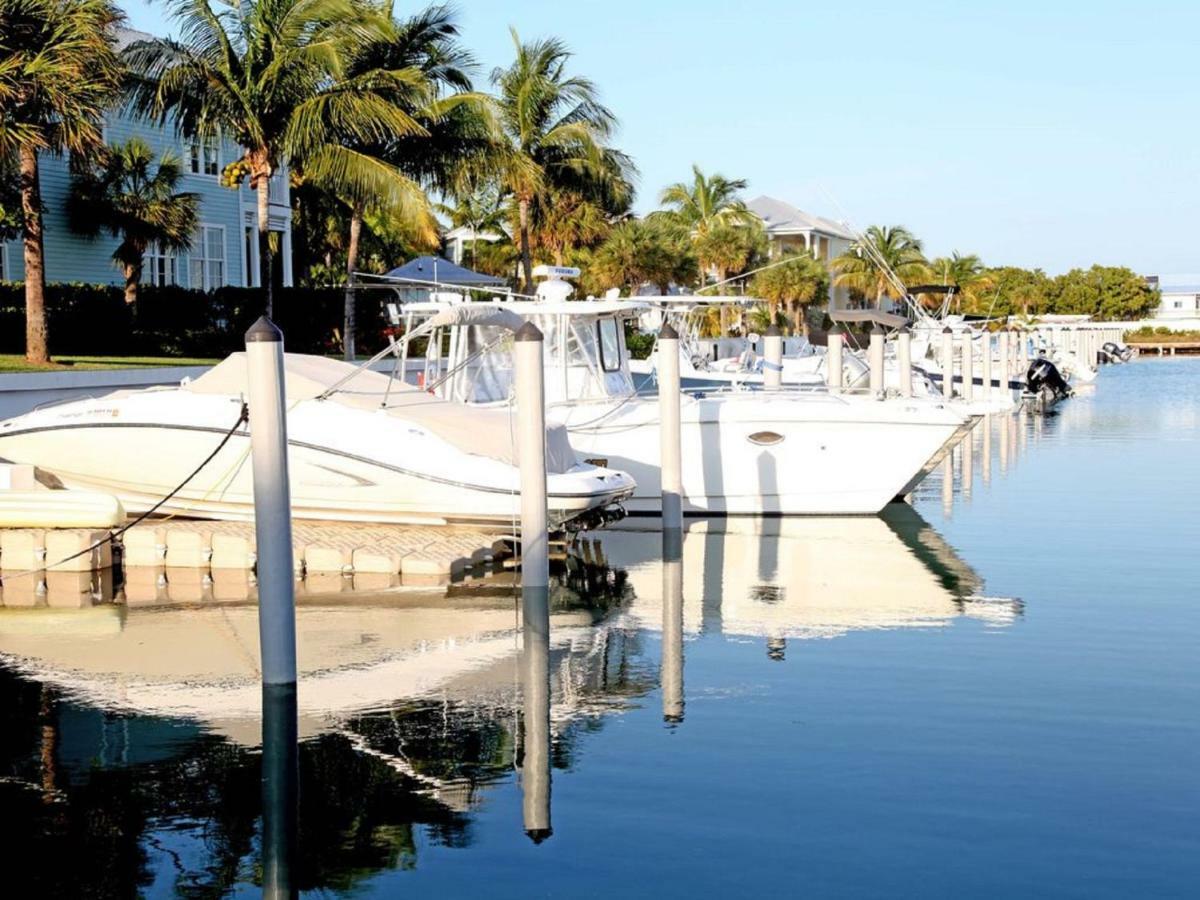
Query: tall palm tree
869	265
553	133
128	197
707	202
272	76
968	274
387	177
58	73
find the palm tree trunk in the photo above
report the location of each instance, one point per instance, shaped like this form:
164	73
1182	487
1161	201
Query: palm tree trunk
356	221
262	187
36	350
133	275
526	258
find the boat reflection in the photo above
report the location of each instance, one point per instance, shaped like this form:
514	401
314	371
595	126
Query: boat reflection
138	725
786	579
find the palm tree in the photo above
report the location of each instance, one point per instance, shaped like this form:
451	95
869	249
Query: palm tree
706	203
796	284
273	77
553	133
478	208
385	177
125	196
567	220
58	73
871	263
968	274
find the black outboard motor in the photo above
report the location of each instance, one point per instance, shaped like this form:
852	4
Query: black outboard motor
1116	353
1045	384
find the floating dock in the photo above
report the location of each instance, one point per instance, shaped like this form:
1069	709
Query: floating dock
384	553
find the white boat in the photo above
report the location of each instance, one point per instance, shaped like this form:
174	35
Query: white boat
788	452
361	447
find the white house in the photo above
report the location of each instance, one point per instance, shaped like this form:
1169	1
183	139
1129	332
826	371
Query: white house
1180	296
459	243
789	228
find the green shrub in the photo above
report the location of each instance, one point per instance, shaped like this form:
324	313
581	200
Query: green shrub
174	321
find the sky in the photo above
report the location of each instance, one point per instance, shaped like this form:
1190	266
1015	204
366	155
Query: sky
1052	134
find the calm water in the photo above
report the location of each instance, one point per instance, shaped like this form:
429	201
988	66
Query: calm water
991	694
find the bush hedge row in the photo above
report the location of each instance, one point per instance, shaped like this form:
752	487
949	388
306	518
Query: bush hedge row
93	319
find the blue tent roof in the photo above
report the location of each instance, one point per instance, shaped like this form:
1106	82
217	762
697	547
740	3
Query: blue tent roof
437	268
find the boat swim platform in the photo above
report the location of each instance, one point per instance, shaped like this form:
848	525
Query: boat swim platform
384	555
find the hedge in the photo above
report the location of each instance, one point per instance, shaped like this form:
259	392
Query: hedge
94	319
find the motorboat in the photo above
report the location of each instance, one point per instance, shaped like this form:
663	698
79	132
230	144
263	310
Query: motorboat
361	447
786	452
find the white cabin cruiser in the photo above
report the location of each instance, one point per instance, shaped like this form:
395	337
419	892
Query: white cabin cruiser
362	447
789	452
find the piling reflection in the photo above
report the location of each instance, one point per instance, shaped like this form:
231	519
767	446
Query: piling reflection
280	782
535	687
672	627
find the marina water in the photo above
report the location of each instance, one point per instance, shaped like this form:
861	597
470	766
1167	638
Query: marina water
991	693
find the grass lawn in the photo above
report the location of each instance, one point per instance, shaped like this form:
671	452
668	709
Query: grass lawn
16	363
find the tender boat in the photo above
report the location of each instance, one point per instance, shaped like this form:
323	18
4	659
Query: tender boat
362	447
789	452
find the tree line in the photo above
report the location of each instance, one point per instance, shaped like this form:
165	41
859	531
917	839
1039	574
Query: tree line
386	128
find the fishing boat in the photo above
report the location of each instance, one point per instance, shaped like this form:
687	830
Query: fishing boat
362	447
787	452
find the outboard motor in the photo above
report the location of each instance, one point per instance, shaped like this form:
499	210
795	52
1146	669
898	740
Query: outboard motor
1045	384
1116	353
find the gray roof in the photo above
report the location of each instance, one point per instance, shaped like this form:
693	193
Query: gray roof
423	269
126	36
783	217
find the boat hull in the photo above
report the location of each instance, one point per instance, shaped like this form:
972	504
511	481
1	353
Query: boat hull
410	477
763	454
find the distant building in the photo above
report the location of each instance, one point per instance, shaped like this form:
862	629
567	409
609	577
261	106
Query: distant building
459	243
789	228
1180	296
225	249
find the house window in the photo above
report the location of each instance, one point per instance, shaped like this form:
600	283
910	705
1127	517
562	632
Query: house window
3	262
610	345
160	268
204	154
207	270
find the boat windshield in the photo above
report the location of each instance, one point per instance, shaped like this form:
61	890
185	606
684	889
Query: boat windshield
586	359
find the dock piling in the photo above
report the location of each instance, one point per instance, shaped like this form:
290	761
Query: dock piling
531	453
968	366
904	361
875	360
670	435
772	358
272	502
987	365
947	362
833	358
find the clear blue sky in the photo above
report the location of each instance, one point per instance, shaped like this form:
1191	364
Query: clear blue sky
1055	133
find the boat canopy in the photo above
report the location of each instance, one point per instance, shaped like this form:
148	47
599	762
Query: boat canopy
584	345
487	433
878	316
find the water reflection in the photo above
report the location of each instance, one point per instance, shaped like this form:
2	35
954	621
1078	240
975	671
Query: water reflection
134	730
